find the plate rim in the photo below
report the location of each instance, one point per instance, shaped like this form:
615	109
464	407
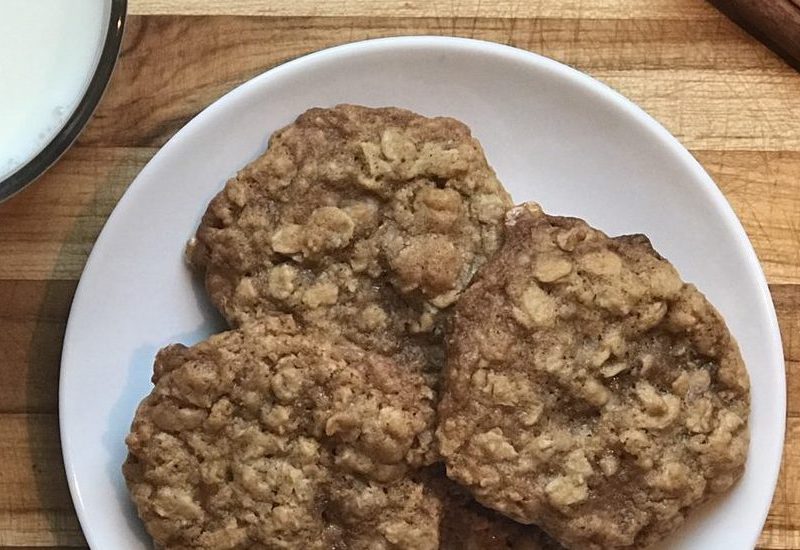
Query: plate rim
728	217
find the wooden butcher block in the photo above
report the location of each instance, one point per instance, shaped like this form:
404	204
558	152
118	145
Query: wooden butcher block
774	22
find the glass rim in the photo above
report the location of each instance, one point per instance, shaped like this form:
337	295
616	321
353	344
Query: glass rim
69	132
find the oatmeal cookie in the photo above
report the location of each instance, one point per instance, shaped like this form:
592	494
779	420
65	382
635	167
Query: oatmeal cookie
266	437
588	389
466	525
367	222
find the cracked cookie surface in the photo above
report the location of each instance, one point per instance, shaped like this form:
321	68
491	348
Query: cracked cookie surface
588	389
365	222
268	437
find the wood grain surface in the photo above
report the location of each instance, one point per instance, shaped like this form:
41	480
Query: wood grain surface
776	23
730	100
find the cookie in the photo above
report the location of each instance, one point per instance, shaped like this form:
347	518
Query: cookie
466	525
269	437
470	526
364	222
588	389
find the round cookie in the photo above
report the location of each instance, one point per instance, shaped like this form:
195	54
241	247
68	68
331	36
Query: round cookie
469	526
362	221
588	389
466	525
266	437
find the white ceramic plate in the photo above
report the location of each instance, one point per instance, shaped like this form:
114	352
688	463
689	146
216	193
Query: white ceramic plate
553	135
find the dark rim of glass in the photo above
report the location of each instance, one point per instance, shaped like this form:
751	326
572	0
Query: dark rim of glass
83	112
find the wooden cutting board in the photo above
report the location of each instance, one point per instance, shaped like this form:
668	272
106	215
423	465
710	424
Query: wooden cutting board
733	103
774	22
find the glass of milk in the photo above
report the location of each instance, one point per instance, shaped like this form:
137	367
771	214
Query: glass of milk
56	57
